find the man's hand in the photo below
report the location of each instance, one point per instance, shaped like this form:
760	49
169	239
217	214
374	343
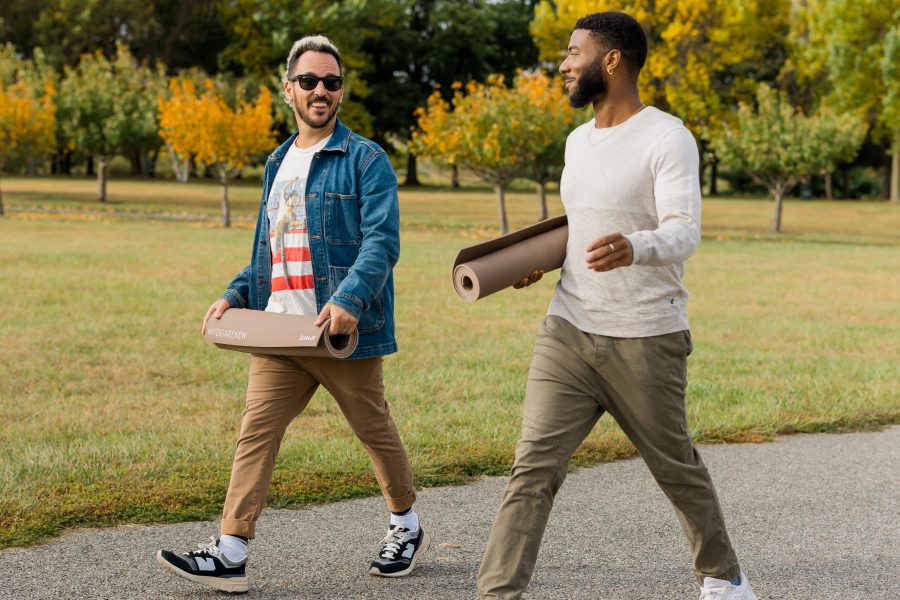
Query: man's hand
609	252
216	310
533	278
342	322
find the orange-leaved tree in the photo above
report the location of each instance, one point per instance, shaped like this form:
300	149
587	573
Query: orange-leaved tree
554	118
27	121
495	131
227	139
179	110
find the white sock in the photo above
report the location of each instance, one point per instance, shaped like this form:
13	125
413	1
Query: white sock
234	548
408	520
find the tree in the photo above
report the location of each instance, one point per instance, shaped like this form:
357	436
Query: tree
551	114
108	107
26	122
430	45
228	138
179	110
890	113
178	34
705	56
777	145
495	131
38	76
844	55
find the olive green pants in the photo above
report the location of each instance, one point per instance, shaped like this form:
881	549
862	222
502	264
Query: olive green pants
574	378
279	389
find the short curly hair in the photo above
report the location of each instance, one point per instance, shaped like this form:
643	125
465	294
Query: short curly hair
617	31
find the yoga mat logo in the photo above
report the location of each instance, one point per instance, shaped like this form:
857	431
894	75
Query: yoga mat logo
307	338
231	334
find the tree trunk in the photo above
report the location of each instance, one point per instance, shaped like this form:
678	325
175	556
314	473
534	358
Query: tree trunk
714	177
136	166
181	167
776	220
32	165
454	178
149	162
101	178
895	171
541	188
2	212
886	180
829	186
501	207
226	211
61	163
412	172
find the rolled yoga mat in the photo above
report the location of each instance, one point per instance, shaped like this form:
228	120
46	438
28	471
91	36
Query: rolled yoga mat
483	269
263	332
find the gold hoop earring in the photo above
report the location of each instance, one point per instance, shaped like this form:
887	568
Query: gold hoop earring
609	71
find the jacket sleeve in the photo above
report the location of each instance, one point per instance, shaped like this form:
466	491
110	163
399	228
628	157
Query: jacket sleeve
238	292
379	251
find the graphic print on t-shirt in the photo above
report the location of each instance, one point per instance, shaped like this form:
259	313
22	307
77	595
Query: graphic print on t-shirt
293	288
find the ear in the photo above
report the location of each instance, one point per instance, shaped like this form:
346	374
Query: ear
612	60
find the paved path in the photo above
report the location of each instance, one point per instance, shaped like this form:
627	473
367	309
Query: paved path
812	517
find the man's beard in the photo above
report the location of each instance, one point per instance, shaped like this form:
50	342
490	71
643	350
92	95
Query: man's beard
316	123
589	86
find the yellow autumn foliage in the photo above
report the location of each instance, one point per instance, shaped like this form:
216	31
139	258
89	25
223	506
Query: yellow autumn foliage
27	119
704	55
203	125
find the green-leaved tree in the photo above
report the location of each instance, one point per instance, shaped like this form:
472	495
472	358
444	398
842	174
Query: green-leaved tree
109	106
777	145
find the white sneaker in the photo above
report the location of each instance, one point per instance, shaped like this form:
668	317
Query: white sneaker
720	589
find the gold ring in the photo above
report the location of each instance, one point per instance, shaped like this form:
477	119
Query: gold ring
612	248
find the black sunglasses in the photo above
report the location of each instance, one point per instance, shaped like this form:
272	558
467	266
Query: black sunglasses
309	82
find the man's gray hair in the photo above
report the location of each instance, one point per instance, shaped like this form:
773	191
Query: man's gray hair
311	43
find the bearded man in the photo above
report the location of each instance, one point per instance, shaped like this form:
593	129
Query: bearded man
616	338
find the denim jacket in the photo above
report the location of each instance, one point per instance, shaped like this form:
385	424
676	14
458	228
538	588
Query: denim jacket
353	221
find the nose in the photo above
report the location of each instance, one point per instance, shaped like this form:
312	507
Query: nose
564	66
320	88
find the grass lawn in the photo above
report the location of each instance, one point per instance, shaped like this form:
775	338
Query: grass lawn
113	409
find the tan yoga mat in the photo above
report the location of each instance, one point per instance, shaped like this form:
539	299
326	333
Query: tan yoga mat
263	332
483	269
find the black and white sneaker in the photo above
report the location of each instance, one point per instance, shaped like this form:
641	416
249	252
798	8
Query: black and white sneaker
399	552
207	566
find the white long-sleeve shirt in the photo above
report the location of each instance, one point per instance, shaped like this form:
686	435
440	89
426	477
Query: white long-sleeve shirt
640	178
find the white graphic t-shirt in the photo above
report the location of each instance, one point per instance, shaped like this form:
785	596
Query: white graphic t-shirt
293	289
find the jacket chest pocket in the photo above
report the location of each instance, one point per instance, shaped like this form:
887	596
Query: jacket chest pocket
342	219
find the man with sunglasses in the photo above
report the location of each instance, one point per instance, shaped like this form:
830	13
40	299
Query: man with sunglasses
326	242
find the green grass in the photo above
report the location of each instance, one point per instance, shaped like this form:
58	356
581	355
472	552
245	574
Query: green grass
113	409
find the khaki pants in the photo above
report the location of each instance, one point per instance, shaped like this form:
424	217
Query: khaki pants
575	377
279	389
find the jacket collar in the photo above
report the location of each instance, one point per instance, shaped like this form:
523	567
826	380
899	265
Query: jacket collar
340	140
